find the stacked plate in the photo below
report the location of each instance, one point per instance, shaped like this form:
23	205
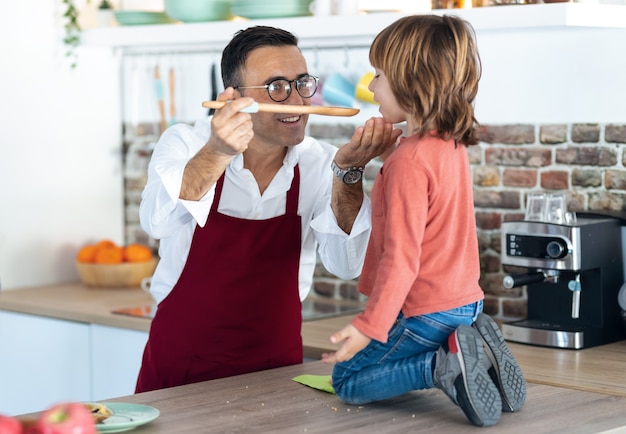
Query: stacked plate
254	9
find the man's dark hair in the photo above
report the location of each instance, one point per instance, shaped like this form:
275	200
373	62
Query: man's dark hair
236	52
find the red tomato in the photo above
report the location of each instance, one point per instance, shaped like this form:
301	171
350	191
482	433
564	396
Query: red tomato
10	425
66	418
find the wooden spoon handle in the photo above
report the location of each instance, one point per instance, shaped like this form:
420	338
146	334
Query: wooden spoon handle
172	94
293	109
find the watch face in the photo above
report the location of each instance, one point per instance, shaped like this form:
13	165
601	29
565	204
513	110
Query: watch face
352	176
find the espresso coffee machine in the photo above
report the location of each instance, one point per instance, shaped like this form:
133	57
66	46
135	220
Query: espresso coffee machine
574	273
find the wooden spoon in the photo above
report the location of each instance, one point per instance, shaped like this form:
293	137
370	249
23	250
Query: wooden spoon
285	108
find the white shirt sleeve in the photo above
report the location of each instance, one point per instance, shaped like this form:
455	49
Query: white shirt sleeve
161	211
343	254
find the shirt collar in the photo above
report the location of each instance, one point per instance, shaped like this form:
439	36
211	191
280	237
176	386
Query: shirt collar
290	160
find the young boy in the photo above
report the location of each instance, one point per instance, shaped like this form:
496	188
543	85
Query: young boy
421	268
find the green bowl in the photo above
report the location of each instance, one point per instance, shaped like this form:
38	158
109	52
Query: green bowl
190	11
137	18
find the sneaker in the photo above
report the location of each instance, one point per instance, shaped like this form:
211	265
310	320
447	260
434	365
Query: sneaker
460	372
502	366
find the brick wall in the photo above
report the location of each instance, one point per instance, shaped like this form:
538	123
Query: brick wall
587	161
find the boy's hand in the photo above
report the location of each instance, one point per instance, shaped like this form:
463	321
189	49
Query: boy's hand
352	341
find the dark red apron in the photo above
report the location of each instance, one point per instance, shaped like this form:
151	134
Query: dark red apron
236	306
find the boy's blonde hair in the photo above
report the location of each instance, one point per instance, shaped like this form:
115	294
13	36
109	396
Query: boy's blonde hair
433	68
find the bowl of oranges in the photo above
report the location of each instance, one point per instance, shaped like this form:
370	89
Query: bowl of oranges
106	264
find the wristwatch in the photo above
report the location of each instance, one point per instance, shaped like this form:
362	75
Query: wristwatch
347	176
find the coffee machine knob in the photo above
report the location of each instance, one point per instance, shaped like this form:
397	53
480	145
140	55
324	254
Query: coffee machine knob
515	280
556	249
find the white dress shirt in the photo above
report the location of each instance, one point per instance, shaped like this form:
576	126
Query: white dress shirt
171	220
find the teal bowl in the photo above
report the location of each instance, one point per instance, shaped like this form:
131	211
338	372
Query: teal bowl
191	11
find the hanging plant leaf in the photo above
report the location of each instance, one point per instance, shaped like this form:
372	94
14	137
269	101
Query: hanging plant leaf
72	31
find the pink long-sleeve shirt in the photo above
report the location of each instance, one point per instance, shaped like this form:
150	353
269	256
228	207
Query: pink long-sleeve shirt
422	256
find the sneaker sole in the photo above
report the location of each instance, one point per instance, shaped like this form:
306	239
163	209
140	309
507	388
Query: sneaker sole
505	371
477	394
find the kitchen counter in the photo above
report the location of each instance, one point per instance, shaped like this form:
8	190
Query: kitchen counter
76	302
269	401
598	370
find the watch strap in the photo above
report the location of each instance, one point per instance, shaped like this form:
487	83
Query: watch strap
355	173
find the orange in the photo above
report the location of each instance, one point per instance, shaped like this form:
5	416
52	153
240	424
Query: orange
87	254
137	253
105	243
109	255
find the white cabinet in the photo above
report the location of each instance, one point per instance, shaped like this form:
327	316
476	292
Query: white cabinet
115	360
42	361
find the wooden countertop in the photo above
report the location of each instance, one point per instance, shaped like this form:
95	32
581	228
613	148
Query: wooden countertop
269	401
76	302
599	369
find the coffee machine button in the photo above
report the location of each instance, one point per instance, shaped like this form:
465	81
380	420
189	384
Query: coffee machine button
556	249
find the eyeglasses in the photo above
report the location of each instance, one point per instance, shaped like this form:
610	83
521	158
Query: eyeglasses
280	89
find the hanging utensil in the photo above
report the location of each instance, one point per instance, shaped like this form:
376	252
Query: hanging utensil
158	89
134	101
286	108
213	85
172	96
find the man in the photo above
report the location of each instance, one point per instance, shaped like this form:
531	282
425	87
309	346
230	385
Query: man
240	203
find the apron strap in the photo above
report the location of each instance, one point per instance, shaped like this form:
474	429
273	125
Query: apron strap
218	192
293	193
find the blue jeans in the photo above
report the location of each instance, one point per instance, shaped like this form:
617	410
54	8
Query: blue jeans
381	371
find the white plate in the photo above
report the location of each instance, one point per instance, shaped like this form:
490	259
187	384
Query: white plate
126	416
